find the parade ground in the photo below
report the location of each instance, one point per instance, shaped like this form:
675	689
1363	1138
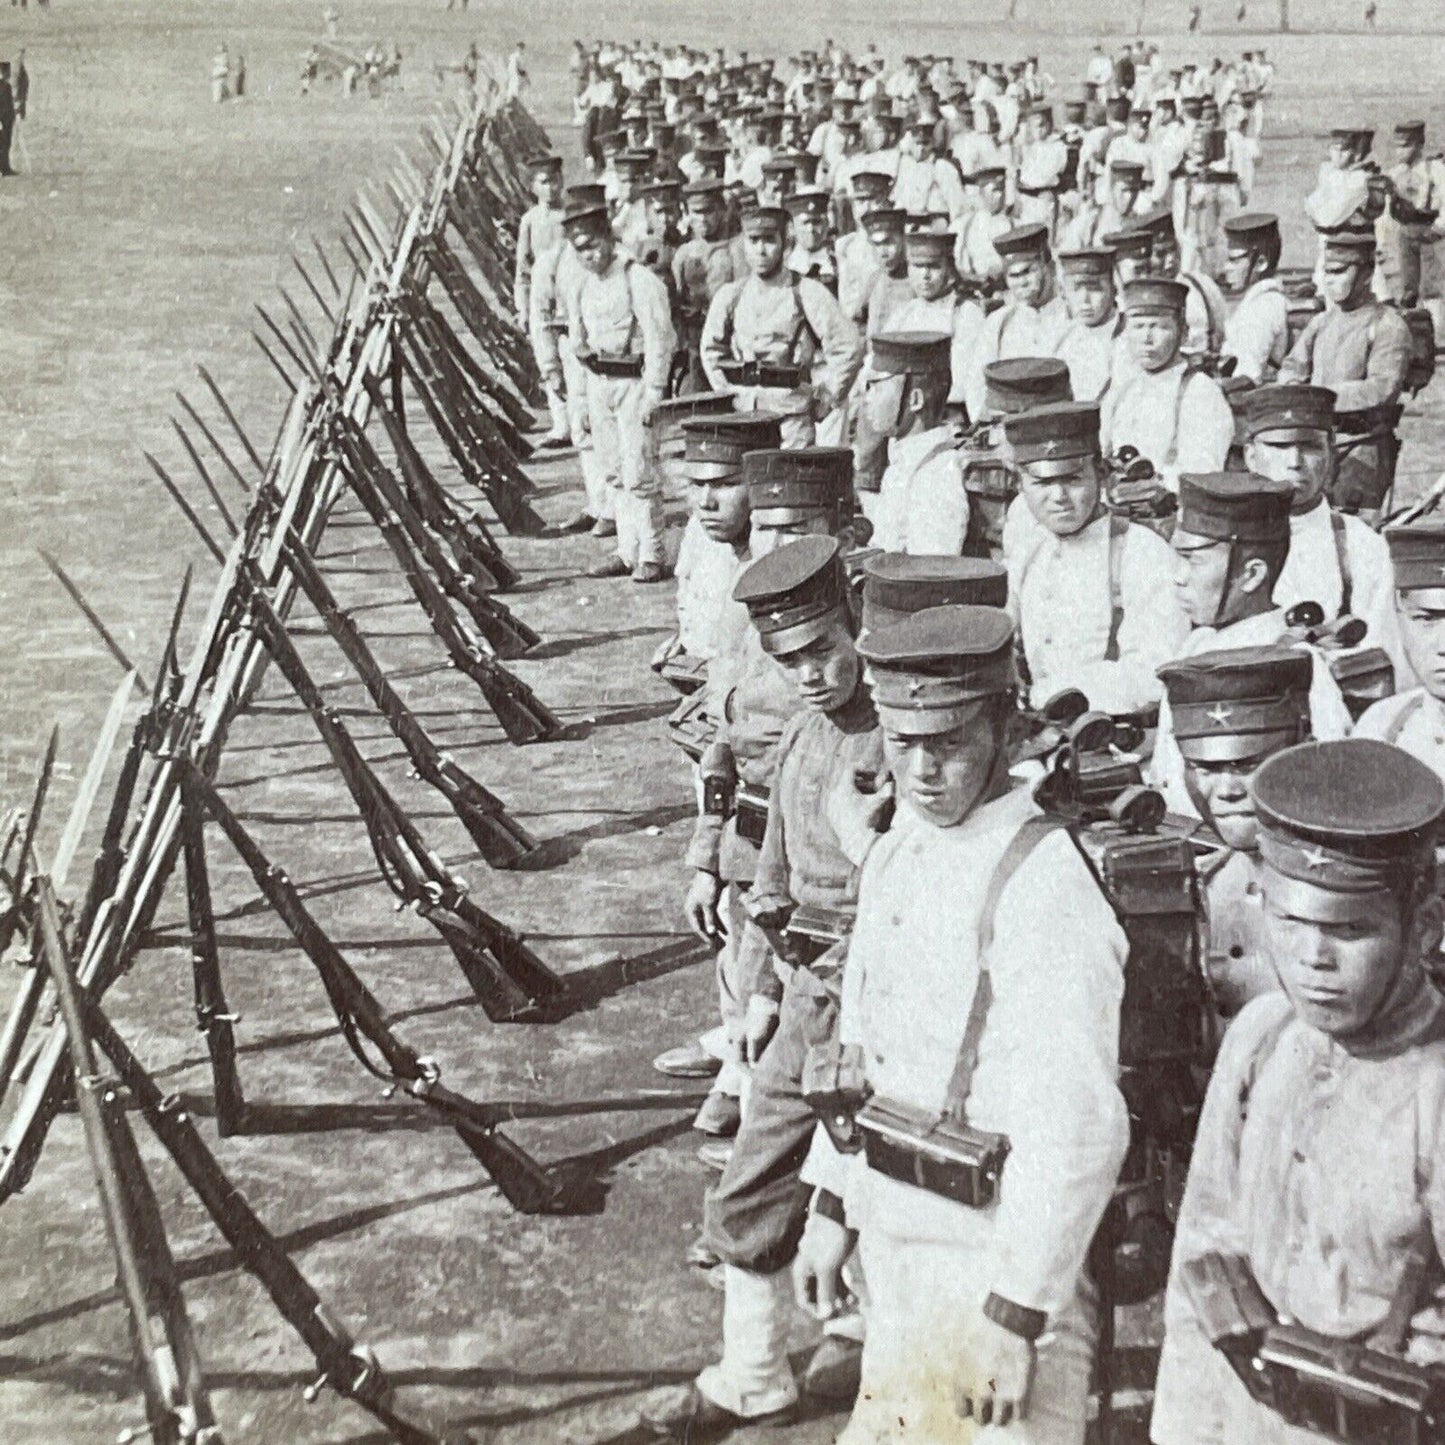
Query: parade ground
143	228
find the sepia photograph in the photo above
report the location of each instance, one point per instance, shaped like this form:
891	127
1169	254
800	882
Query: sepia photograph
722	724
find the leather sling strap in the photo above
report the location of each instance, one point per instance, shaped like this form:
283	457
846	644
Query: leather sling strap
1032	831
1401	719
1118	534
1342	557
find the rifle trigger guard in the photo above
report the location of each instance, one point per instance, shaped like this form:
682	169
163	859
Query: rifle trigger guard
431	1071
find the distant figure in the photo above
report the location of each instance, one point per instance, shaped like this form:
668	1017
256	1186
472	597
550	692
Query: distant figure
456	4
517	77
22	85
238	77
1241	12
220	74
310	65
331	20
1371	11
7	118
1195	15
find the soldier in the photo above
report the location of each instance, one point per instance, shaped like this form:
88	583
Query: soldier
540	230
714	546
1346	1062
977	257
886	229
780	342
1090	345
921	506
1334	559
1121	207
629	211
812	253
937	301
1410	269
1031	320
857	260
621	327
804	894
1360	349
1414	719
1089	592
984	959
1173	415
926	182
1133	256
1256	333
1042	170
1230	711
793	493
1204	307
701	267
1230	545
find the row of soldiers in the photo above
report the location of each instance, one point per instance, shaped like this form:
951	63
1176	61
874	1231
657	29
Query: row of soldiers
932	648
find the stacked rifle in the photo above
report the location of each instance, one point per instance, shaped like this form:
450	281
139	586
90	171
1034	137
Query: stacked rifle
419	315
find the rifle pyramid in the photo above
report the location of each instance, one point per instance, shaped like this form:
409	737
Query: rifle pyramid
261	514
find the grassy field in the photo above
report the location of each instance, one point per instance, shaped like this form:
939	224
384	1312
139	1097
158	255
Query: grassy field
147	224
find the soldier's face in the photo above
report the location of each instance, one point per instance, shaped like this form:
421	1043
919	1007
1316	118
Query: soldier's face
547	187
1342	153
889	247
1422	629
721	508
764	250
811	231
594	250
1130	266
1238	269
1028	280
1164	261
1341	281
930	276
943	776
1336	954
1089	296
1065	503
1201	576
706	221
1153	339
1124	195
991	194
1221	793
1305	459
825	672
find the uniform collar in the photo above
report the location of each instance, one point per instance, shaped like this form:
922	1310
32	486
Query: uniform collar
857	715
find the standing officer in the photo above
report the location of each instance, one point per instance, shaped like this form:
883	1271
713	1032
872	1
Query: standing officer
780	342
1031	320
621	325
1256	332
984	959
1360	350
1173	415
1089	591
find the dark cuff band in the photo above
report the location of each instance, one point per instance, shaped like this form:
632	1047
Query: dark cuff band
830	1206
1016	1319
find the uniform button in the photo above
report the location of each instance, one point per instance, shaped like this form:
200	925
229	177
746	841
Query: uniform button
896	921
1299	1156
1237	951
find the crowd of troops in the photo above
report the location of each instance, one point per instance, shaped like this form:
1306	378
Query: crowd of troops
1067	712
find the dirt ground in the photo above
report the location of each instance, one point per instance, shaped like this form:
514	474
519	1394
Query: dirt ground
147	224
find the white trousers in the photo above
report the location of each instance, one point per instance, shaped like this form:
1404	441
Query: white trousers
599	499
627	468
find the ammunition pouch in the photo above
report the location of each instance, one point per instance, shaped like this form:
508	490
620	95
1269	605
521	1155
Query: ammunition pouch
990	487
719	796
600	364
690	727
751	813
835	1087
764	373
953	1160
684	672
1365	676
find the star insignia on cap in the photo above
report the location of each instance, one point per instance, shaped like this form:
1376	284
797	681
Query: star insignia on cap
1050	448
1442	569
775	617
776	489
1220	714
1315	858
915	688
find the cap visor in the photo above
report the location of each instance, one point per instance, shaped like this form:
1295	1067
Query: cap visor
794	639
1315	901
1232	747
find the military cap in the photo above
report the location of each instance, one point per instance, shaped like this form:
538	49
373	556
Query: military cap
663	188
1417	553
1410	130
1075	111
1350	245
1234	507
928	243
1117	107
545	165
885	218
1127	170
1042	110
703	192
798	483
1353	816
1129	242
760	219
1239	702
717	438
984	174
1148	295
586	218
1021	382
712	158
1088	261
611	140
805	167
926	671
664	134
1158	224
1192	105
1252	226
1059	432
784	163
896	585
809	201
793	593
871	185
1141	108
589	193
636	161
1291	408
912	353
1032	239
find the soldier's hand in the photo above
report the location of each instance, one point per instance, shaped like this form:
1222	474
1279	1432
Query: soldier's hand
650	403
759	1026
700	906
818	1267
998	1372
1426	1341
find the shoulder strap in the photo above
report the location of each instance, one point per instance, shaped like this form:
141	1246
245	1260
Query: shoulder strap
1171	454
1032	831
1342	557
804	325
1401	718
627	266
1118	535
